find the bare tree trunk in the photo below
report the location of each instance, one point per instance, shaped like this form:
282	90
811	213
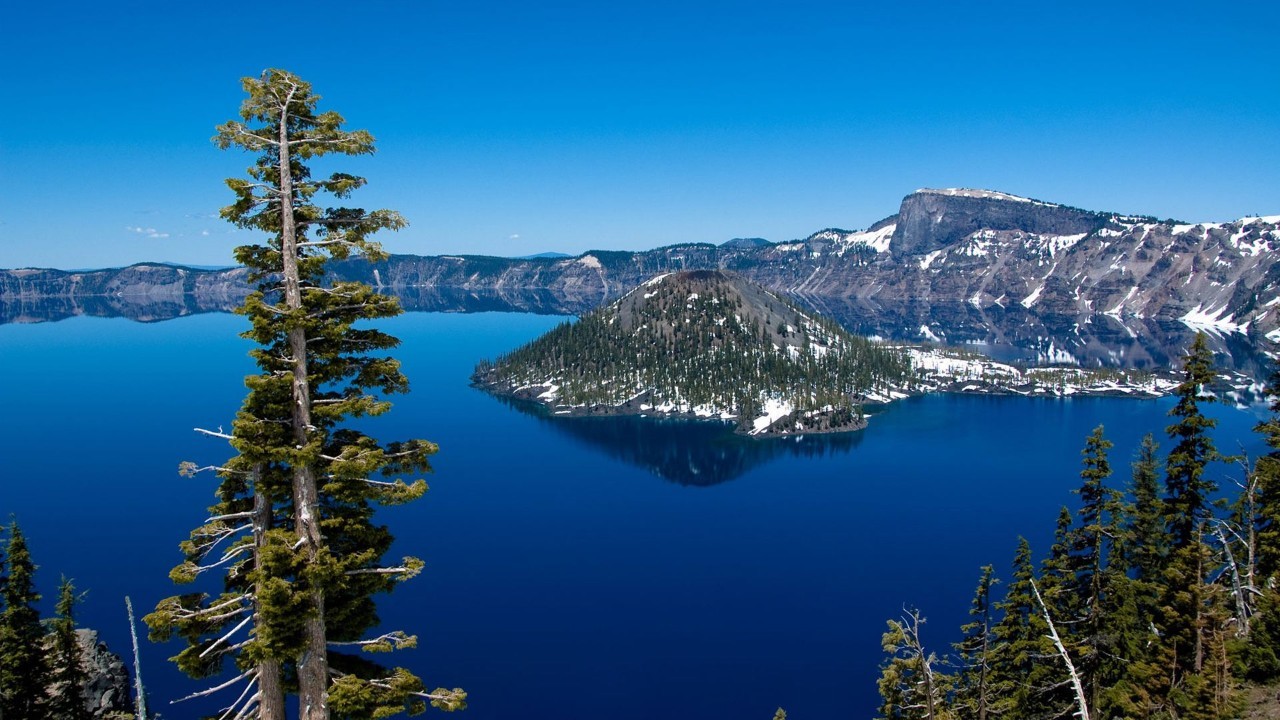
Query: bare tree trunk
141	704
1199	621
270	692
313	665
1237	589
1082	704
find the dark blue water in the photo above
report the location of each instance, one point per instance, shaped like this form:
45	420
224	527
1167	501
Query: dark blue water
575	568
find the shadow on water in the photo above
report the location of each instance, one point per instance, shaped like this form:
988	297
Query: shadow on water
698	453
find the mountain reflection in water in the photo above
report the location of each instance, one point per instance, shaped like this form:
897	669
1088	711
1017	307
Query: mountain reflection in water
688	452
1008	334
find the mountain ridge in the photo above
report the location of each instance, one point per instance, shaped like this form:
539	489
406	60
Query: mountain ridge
980	247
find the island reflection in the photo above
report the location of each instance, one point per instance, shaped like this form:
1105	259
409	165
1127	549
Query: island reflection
695	453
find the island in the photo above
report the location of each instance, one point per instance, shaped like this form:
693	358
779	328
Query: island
709	344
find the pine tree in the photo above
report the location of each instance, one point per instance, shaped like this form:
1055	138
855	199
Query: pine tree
68	676
910	685
295	511
1092	580
1267	470
1189	491
24	672
1261	656
1020	646
974	694
1130	668
1057	571
1146	541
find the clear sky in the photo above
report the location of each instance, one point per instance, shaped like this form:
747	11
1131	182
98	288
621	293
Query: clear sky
512	128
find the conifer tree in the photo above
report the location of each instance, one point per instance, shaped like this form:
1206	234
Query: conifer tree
1145	542
24	671
1188	490
974	692
1267	470
67	676
1096	575
1020	645
1261	656
295	510
910	684
1057	571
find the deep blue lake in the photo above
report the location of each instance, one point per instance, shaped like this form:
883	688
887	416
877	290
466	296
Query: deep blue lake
575	568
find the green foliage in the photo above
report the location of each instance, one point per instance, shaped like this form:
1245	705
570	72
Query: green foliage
24	669
1188	490
910	685
974	694
67	676
293	531
1162	605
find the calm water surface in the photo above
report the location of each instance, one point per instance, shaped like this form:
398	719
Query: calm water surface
575	568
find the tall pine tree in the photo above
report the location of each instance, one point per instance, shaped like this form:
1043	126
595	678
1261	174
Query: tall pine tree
24	670
975	694
1189	491
1261	656
67	675
295	507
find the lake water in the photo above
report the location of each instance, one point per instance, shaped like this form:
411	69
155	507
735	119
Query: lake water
576	568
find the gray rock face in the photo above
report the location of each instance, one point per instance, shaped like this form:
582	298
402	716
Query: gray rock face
933	219
107	691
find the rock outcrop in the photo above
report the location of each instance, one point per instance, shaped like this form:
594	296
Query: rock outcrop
107	692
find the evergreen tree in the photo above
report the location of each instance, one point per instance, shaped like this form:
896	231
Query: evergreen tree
24	672
1020	646
1130	668
295	511
1267	470
1188	490
1145	541
1057	571
68	676
1092	580
1260	657
974	693
910	685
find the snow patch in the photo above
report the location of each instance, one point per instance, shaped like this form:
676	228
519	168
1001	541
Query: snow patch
877	240
1202	318
983	194
774	410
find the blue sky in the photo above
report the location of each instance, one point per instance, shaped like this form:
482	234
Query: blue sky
513	128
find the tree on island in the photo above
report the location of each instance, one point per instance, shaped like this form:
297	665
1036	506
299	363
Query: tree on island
292	531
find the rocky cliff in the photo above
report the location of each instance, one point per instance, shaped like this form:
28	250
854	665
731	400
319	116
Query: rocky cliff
107	691
987	250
